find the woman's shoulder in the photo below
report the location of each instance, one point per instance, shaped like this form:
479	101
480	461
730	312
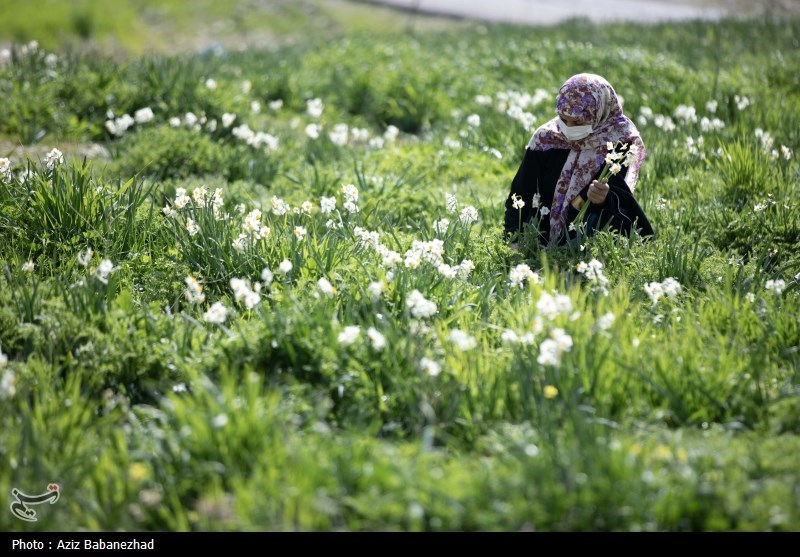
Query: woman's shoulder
544	135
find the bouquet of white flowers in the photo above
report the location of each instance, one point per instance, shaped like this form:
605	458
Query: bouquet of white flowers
617	157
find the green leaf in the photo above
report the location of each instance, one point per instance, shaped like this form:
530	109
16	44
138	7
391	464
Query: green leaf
124	188
124	301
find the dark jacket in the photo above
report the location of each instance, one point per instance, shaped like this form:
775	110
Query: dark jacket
539	173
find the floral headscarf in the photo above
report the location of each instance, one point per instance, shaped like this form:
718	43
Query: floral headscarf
591	99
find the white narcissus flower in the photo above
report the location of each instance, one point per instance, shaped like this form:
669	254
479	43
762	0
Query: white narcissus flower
440	226
85	257
551	349
430	367
179	388
519	274
313	131
240	288
390	258
605	321
285	267
326	287
349	335
451	203
28	267
7	380
367	238
199	196
593	271
775	286
240	243
340	134
359	135
551	307
181	199
143	115
327	205
412	260
447	271
350	192
375	289
314	107
465	268
451	143
105	268
509	336
192	227
468	215
391	133
462	340
5	169
377	339
53	159
194	291
419	306
279	206
671	287
220	420
494	152
228	119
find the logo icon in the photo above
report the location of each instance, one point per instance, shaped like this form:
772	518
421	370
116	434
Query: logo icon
19	508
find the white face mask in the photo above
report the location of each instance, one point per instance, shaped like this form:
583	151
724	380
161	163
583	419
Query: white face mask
574	133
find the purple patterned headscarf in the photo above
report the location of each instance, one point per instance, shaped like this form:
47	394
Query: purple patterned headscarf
592	100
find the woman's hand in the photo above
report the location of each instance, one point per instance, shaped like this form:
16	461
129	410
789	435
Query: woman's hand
598	191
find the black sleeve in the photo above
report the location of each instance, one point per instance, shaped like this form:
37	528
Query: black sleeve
623	213
524	185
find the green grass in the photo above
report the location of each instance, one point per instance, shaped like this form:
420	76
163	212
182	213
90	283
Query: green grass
678	414
147	26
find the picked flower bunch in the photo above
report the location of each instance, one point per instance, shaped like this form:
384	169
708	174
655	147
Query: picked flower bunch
618	156
616	159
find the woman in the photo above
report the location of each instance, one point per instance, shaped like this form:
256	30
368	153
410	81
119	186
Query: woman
565	157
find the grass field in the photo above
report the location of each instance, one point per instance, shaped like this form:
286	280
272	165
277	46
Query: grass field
281	300
139	27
